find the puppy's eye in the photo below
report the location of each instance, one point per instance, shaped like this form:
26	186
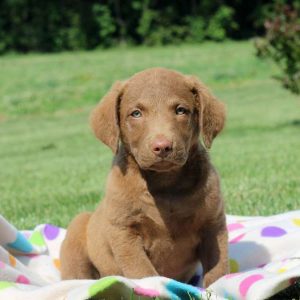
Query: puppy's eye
136	113
180	110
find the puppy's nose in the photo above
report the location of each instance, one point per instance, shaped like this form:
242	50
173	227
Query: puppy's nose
162	147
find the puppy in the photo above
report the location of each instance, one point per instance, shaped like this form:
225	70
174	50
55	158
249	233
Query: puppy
163	211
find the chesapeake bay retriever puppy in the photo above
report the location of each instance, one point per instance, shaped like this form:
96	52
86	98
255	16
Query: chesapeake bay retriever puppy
163	211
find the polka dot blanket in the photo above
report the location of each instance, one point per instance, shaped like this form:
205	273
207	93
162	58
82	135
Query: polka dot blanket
264	259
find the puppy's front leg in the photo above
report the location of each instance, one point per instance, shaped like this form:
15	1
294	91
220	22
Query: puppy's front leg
129	254
214	255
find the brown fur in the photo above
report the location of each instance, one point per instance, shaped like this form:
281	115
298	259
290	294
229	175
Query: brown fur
163	210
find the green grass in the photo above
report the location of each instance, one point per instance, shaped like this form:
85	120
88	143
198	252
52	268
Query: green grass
51	166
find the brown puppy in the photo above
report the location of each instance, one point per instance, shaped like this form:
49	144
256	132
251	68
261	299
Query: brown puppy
163	210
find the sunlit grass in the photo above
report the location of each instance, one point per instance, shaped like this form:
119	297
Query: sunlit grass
51	167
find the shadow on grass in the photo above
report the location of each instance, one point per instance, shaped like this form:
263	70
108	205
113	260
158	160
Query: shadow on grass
295	123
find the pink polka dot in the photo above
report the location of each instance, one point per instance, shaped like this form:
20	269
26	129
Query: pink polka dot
234	226
236	239
248	282
2	265
22	279
146	292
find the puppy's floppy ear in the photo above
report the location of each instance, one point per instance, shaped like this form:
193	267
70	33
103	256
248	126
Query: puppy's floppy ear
104	118
211	111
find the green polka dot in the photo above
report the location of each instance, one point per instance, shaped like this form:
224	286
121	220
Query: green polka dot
101	285
234	266
5	284
37	239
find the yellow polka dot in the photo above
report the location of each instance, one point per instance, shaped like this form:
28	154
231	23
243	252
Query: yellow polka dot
56	262
296	222
282	270
12	261
234	266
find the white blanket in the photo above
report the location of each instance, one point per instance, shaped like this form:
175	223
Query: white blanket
264	259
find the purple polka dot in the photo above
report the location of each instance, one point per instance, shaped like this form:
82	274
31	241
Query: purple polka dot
273	231
51	232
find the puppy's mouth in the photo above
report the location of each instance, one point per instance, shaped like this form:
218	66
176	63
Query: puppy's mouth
175	161
164	165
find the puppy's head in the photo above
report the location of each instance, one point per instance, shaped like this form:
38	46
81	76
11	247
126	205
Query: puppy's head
158	115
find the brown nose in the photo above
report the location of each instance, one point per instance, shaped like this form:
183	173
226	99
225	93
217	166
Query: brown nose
161	146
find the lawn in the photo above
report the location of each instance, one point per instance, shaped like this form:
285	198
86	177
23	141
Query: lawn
52	167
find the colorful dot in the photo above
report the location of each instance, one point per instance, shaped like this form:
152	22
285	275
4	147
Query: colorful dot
56	262
21	244
234	266
273	231
37	239
234	226
282	270
51	232
5	284
248	282
237	239
296	222
146	292
2	265
22	279
179	290
101	285
12	261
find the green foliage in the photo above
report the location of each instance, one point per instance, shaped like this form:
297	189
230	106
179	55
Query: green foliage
196	27
282	43
157	27
214	28
105	23
33	25
220	23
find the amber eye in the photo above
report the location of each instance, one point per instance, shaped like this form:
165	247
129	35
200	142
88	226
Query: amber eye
136	113
181	110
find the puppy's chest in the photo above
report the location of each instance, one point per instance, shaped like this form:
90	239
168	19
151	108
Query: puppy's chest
169	241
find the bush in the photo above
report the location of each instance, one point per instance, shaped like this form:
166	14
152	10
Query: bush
106	24
282	43
55	25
